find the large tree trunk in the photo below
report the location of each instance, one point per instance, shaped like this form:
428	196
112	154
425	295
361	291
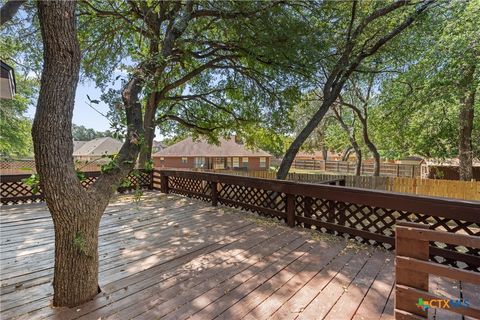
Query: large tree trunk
358	166
149	127
75	219
76	212
300	139
353	140
346	153
467	100
373	150
152	100
324	153
370	145
76	253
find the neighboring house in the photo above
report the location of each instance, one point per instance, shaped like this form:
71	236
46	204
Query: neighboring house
78	144
7	81
229	154
95	149
411	160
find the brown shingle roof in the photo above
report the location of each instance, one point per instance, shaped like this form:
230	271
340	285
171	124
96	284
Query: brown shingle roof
201	148
99	147
78	144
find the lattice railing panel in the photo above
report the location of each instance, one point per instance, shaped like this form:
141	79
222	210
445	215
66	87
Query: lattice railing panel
17	192
192	188
317	209
14	191
138	180
372	219
88	182
381	221
255	199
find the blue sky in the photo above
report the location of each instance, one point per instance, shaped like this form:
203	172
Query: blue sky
83	114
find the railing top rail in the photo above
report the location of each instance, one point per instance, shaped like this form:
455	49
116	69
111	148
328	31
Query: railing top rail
442	207
19	177
411	232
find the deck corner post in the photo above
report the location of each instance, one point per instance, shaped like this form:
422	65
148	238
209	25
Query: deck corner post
150	185
214	188
164	183
291	210
412	248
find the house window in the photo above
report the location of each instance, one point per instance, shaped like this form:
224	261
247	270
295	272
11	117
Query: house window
244	162
162	159
236	162
184	160
219	163
199	162
263	162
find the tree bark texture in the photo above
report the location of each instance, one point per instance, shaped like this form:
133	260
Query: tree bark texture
346	153
301	138
76	212
467	100
353	140
371	146
173	33
75	219
149	127
9	10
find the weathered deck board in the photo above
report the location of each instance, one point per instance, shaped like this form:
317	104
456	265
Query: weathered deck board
171	257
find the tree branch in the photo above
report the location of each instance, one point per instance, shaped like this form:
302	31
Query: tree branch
9	9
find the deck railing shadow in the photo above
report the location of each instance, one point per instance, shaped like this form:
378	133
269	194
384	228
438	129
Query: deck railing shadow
365	215
148	248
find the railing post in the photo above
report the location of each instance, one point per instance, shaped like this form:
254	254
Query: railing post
150	186
398	170
214	188
413	248
291	210
164	183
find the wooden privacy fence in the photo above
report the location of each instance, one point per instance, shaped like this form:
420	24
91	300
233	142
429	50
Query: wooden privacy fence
14	191
17	166
468	190
368	216
386	169
412	270
11	167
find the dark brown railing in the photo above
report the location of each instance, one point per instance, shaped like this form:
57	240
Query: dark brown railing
412	271
14	191
368	216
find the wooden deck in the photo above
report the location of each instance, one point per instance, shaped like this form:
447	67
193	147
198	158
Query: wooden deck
170	257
